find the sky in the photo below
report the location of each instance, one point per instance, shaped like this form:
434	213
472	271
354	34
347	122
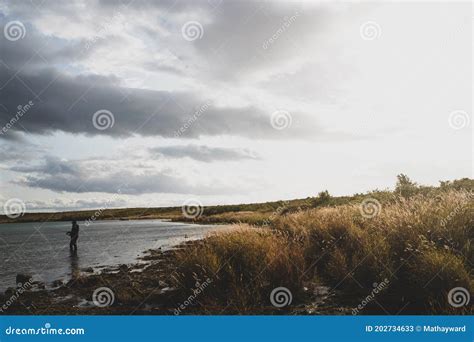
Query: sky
144	103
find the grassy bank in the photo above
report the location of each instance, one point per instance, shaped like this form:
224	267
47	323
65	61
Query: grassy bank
383	252
258	214
419	246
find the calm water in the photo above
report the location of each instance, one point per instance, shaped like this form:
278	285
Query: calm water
42	250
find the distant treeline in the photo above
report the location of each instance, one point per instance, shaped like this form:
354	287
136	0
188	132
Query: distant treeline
254	213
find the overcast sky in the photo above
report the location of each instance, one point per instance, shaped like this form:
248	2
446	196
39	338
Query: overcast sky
151	103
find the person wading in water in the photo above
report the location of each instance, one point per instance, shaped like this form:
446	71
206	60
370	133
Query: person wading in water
74	234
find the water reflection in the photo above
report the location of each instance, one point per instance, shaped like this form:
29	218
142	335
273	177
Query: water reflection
74	258
103	243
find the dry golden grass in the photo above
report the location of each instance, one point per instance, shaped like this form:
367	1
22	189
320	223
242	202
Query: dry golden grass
422	245
244	265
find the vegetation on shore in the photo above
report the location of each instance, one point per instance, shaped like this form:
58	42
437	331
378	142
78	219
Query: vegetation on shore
419	243
384	252
254	213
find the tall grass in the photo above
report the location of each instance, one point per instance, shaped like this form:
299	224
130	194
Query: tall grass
422	245
244	265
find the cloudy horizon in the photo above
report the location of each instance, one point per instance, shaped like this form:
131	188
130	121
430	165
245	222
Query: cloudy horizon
141	103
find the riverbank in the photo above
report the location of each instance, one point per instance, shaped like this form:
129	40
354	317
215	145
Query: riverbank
406	252
140	288
150	287
412	256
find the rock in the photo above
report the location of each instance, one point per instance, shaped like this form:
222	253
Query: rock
88	270
38	284
123	268
23	278
57	283
10	291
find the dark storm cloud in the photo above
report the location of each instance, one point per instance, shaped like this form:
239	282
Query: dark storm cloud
203	153
38	51
81	176
120	182
39	68
65	103
50	165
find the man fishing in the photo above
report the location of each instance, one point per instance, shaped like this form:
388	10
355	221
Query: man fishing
74	234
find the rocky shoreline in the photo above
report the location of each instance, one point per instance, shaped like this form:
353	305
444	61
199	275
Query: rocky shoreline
144	288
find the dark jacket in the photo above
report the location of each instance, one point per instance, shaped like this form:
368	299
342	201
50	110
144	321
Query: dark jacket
75	231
